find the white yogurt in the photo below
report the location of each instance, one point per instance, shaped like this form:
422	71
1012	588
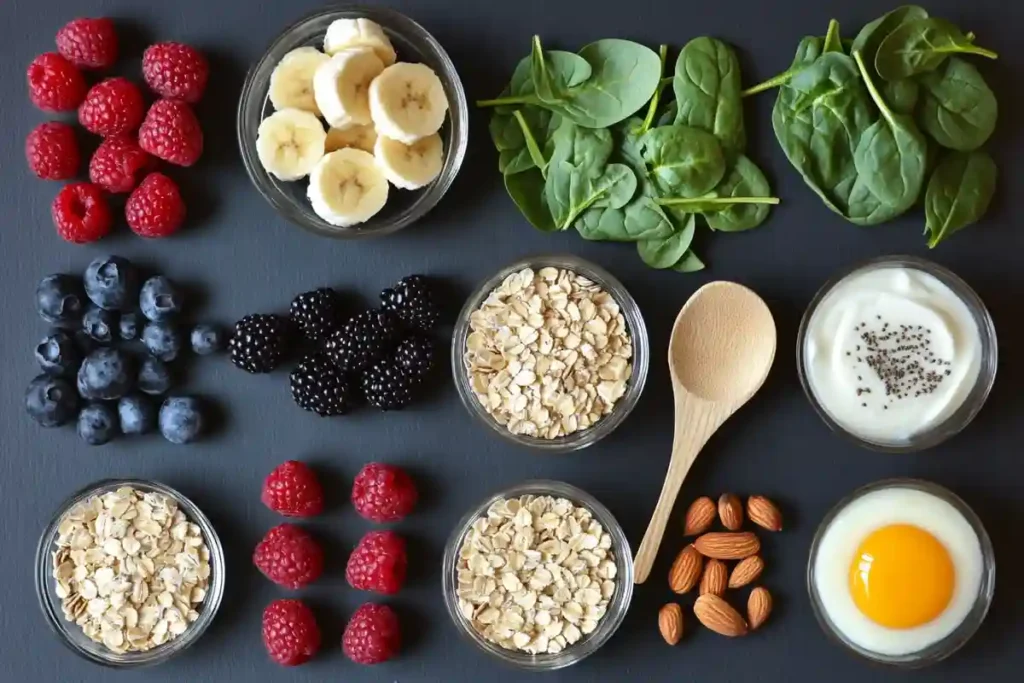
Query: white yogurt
891	352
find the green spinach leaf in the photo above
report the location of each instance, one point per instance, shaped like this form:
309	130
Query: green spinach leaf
665	253
532	148
873	33
641	219
571	190
688	264
527	191
921	45
555	72
707	88
958	109
745	180
959	194
808	50
625	76
683	161
833	41
652	107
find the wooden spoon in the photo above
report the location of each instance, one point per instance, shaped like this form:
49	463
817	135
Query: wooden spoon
722	347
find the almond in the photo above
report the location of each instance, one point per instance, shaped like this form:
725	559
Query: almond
763	512
715	579
719	616
728	545
685	571
670	623
730	511
759	606
699	516
746	571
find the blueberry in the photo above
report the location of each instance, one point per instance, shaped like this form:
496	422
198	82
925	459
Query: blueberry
154	376
159	299
207	339
97	423
100	324
162	340
51	401
60	299
111	283
130	326
105	374
57	354
137	414
180	419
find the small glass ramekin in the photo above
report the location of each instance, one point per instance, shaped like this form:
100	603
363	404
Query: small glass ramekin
942	649
71	634
974	401
413	44
606	627
637	331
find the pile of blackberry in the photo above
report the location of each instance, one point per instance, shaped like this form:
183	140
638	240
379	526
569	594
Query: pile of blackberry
380	355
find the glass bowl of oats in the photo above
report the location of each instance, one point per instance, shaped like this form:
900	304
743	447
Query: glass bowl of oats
129	573
551	353
539	575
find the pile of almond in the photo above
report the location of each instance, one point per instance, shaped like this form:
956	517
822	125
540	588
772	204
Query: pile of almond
702	565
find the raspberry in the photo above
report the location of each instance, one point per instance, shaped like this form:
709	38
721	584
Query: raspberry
52	151
289	557
112	107
155	208
81	214
290	632
171	132
372	635
175	71
378	563
54	84
292	490
88	43
383	493
116	162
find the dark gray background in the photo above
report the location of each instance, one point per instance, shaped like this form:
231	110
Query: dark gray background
239	257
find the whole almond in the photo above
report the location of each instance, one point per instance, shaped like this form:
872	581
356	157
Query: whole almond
728	545
763	512
759	606
746	571
719	616
685	571
699	516
715	578
670	623
730	511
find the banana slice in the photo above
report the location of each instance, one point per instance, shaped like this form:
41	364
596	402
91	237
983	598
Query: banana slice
407	102
343	34
410	167
359	137
341	87
347	187
291	82
290	142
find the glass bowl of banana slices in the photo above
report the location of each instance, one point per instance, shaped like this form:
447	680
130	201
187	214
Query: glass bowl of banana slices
354	122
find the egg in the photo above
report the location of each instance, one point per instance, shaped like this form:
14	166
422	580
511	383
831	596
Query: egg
897	570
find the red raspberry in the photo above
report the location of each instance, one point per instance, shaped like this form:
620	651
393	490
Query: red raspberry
112	107
52	151
54	84
171	132
155	208
175	71
372	635
383	493
81	214
289	557
290	632
116	162
378	563
292	490
88	43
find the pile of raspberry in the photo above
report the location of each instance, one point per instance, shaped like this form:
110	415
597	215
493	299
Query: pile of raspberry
136	138
290	557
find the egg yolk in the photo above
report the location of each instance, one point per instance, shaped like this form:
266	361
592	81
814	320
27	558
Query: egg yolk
902	577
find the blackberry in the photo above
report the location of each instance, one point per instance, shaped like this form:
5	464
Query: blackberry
412	300
415	355
260	342
362	340
388	386
320	386
316	314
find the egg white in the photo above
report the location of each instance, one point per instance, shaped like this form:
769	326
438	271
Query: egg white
838	548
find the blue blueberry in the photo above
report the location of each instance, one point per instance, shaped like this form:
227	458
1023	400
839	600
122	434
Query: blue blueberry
162	340
207	339
105	374
130	326
97	423
57	354
111	282
100	324
60	299
154	376
160	300
181	419
137	414
51	401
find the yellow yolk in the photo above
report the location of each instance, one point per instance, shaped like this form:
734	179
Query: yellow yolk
902	576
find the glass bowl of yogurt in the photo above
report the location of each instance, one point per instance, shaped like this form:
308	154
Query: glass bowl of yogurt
897	353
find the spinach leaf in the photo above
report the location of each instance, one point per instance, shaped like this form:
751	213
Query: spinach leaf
958	109
745	180
527	191
625	76
901	95
532	148
808	50
833	41
688	264
555	72
587	149
571	190
959	194
684	161
652	107
921	45
707	88
641	219
665	253
872	35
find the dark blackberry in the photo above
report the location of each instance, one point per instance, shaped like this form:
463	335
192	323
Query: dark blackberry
259	342
316	314
320	386
415	355
388	386
412	300
365	338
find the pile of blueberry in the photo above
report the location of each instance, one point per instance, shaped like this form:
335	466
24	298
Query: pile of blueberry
90	372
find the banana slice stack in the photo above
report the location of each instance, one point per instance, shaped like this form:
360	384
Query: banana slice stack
383	118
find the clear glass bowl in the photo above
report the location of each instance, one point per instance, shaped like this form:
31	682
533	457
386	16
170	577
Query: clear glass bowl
617	609
959	636
71	634
974	401
637	330
413	44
